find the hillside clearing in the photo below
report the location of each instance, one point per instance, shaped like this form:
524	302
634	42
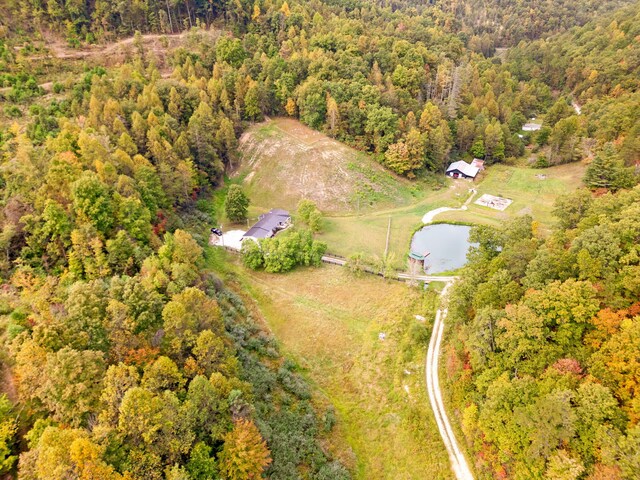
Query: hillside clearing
284	161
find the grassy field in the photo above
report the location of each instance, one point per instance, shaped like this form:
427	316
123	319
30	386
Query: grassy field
367	233
530	194
330	322
284	161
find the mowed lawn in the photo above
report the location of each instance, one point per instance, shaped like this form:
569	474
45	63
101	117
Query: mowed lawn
530	194
367	233
330	322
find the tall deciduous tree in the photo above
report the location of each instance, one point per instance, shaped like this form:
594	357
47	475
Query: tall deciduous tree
608	171
245	454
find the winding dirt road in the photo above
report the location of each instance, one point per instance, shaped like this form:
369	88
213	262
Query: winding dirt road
458	461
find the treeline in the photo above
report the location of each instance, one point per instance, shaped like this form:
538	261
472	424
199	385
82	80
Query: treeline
544	370
402	82
505	23
378	79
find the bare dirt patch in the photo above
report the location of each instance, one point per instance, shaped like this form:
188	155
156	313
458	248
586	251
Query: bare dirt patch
284	161
118	52
491	201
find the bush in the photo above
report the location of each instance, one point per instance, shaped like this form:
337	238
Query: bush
420	334
12	111
541	162
252	255
308	213
357	264
284	252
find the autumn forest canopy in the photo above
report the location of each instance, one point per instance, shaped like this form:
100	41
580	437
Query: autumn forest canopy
124	356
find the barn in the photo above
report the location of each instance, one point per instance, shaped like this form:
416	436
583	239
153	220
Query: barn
462	169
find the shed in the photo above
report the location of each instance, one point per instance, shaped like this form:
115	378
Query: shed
476	162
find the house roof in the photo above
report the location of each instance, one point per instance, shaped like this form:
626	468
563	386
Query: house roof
477	163
268	224
464	167
531	127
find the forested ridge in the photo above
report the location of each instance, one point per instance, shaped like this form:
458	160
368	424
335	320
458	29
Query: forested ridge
130	359
599	66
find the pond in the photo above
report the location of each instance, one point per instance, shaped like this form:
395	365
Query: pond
447	246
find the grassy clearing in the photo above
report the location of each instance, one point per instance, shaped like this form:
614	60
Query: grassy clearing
367	233
329	322
284	161
530	194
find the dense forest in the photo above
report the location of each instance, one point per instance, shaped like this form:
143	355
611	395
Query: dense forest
545	366
132	360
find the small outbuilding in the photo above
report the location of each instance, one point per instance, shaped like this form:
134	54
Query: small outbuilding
269	224
476	162
531	127
462	169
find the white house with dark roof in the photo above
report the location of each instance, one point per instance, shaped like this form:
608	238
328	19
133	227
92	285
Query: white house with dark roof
269	224
462	169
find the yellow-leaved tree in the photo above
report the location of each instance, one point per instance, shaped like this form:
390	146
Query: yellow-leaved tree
245	454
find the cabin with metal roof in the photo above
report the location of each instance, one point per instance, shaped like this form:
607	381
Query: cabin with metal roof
269	224
462	169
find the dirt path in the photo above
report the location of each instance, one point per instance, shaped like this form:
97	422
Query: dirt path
8	384
458	461
152	43
429	216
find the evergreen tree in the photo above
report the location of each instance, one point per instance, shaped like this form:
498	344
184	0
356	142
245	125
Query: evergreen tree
236	204
607	171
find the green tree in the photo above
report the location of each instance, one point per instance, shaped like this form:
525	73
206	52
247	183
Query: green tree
185	316
201	131
252	255
201	465
608	171
230	50
92	202
8	430
72	383
236	204
382	126
308	213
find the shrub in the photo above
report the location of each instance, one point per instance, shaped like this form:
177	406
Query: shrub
252	256
12	111
308	213
541	162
